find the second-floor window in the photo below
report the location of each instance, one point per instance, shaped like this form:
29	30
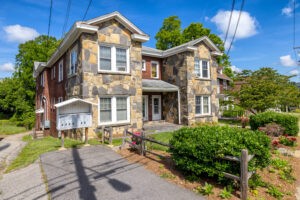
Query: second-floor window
224	84
43	79
144	65
73	61
60	99
113	58
154	69
218	85
53	71
61	71
201	68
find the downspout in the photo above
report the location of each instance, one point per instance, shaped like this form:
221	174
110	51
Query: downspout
179	111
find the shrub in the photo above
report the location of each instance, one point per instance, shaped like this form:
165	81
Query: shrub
197	151
288	141
272	129
289	122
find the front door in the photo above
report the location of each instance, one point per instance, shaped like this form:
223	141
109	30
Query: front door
156	107
145	107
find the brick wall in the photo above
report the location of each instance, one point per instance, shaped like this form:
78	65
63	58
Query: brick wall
147	74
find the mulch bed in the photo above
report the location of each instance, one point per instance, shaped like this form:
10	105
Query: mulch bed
166	168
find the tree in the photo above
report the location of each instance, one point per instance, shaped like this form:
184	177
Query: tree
264	89
171	35
18	93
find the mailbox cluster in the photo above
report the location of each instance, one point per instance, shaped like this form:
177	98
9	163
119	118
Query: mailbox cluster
72	121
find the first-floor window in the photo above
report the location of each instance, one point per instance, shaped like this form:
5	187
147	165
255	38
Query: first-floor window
202	105
113	109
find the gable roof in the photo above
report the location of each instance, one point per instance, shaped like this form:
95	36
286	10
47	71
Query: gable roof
188	46
73	100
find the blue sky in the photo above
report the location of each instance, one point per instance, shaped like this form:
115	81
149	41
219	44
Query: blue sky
264	37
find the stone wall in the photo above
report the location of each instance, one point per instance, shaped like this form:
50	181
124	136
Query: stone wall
170	107
197	86
97	84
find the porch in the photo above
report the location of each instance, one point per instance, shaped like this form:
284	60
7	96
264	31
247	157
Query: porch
161	101
152	127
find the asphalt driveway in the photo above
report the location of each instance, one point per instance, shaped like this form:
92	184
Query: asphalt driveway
97	172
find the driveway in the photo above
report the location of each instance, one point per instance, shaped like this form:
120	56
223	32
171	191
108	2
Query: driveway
97	172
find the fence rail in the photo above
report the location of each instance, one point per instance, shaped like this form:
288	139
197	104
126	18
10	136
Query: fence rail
244	159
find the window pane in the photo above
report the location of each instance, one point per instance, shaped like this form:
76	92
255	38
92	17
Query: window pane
197	68
121	108
105	109
198	105
154	70
204	69
121	59
143	65
105	64
205	105
105	58
105	52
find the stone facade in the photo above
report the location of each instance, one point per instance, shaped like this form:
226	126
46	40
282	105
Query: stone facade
98	84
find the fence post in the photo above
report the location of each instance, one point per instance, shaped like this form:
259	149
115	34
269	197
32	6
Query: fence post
110	135
124	137
102	136
143	144
244	174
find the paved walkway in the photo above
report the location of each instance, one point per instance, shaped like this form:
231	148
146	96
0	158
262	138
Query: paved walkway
160	127
97	172
25	183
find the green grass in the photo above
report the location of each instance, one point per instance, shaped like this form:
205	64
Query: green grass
115	142
229	122
8	128
34	148
27	138
163	137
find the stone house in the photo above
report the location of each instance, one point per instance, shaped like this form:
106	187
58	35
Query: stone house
103	60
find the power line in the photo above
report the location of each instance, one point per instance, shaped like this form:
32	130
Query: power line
229	22
86	11
294	29
66	18
50	14
237	24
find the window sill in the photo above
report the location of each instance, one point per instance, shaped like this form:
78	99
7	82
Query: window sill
204	115
114	73
203	79
114	124
72	75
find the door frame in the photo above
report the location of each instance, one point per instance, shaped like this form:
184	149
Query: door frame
146	118
159	97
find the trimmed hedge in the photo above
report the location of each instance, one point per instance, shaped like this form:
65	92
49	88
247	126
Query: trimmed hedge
288	122
197	151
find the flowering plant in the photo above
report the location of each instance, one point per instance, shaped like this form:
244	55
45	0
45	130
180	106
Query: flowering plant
136	140
288	141
272	129
275	143
244	121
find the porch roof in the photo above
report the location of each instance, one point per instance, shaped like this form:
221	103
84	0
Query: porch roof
150	85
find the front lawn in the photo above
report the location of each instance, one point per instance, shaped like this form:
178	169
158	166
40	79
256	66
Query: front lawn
163	137
8	128
37	147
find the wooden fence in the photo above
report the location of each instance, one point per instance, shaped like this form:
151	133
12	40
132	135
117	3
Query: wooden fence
244	159
106	135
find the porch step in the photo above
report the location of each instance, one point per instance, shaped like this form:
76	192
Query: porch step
39	134
155	122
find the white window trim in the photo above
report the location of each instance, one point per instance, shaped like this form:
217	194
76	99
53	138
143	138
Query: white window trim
146	118
144	65
43	79
60	99
218	86
157	69
201	69
70	72
202	106
113	58
61	75
114	111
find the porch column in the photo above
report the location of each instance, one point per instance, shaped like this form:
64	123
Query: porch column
179	113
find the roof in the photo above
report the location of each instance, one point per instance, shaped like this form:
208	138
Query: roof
188	46
88	27
73	100
223	76
152	85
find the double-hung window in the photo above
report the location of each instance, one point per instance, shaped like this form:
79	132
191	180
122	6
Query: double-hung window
73	61
60	71
144	65
201	68
114	110
154	69
113	58
43	79
60	99
202	105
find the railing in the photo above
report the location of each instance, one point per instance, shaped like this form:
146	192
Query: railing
244	159
106	135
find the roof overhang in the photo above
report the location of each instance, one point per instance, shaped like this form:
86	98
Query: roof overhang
140	38
157	89
152	85
73	100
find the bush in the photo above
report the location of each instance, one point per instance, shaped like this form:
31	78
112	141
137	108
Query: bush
289	122
197	151
272	129
288	141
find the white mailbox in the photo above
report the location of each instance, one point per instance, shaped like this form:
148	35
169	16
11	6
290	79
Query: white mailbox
74	113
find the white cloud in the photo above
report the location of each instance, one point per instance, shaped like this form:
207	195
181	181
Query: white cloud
295	72
235	69
206	18
287	11
247	25
7	67
287	61
17	33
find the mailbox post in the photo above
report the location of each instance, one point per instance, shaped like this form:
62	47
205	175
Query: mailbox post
74	113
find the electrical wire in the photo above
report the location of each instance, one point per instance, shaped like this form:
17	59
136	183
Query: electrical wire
66	18
294	30
86	11
237	24
229	22
50	15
